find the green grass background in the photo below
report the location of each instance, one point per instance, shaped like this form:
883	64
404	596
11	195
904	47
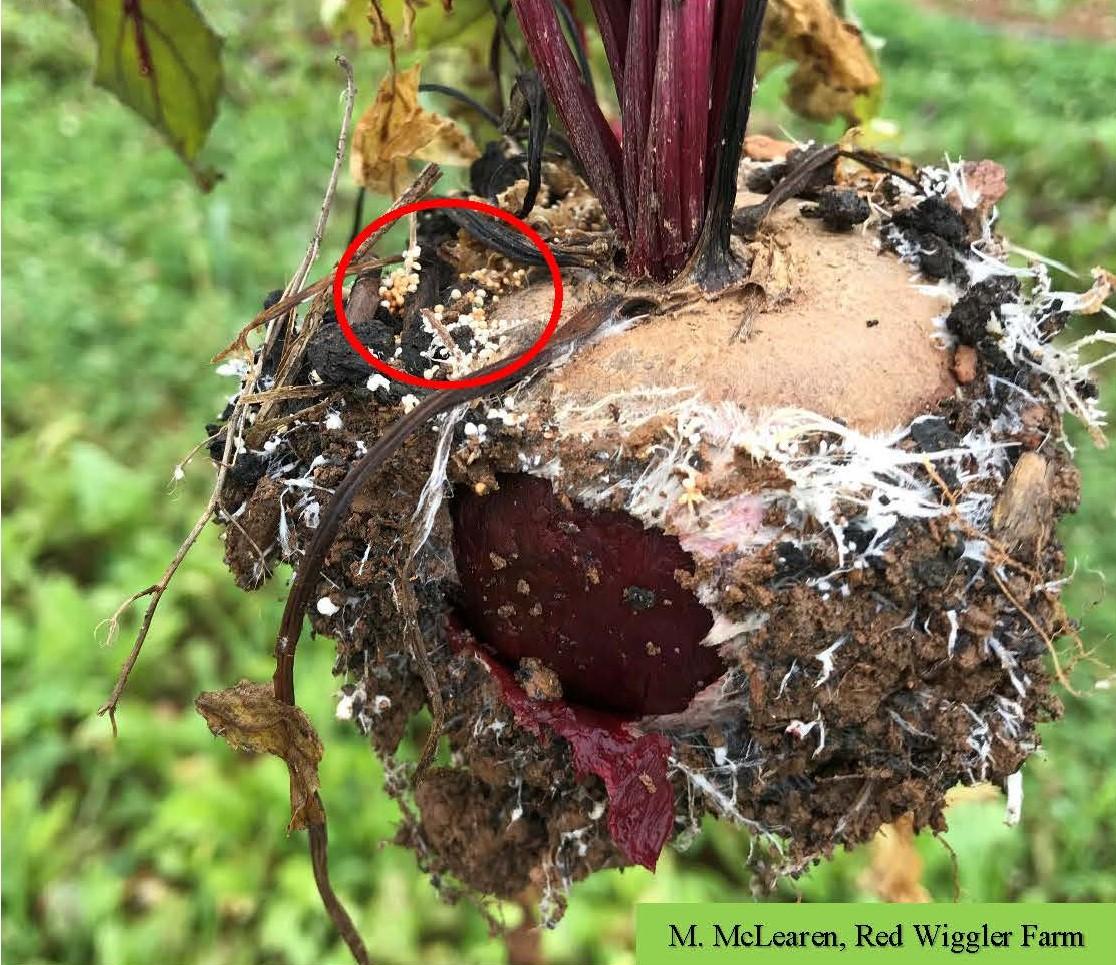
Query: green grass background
120	280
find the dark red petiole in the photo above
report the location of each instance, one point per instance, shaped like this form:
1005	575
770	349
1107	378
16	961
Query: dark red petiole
683	72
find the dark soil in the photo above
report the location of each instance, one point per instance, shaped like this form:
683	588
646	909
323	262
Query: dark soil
969	318
938	233
840	209
333	358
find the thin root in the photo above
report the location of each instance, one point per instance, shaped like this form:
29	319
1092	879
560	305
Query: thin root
955	866
155	591
342	921
426	670
1045	637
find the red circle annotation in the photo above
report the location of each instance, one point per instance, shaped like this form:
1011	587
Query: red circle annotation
473	381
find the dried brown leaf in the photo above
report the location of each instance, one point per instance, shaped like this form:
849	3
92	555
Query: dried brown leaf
836	76
418	24
408	21
396	130
250	718
382	34
1104	282
1024	513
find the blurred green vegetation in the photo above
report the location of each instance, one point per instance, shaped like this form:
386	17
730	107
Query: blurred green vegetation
120	280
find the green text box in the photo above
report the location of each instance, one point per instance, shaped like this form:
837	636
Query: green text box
1001	934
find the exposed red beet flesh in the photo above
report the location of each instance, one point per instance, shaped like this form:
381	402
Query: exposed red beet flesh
632	766
592	595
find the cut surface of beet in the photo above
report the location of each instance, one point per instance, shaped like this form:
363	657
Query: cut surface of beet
592	595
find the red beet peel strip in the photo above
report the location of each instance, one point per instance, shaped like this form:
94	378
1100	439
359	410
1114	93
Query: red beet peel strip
632	766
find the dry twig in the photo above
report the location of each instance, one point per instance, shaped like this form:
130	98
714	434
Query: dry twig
155	591
955	865
232	431
239	345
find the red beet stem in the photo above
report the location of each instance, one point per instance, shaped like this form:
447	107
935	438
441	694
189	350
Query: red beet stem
589	133
714	265
612	21
635	105
683	71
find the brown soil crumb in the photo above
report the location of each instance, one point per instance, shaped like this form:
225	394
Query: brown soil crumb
464	820
538	681
965	364
250	543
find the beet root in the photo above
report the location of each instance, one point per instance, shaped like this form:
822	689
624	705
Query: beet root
760	559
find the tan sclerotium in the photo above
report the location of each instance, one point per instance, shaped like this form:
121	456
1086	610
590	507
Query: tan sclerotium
841	329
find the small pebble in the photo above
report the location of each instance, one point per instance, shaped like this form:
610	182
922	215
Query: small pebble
965	364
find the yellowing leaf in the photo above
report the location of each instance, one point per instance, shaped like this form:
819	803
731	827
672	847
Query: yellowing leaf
895	873
835	76
163	60
396	130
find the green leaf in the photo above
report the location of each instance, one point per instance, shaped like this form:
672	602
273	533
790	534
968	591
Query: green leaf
162	59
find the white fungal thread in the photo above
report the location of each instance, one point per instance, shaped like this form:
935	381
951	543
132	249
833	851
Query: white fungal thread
786	678
724	804
433	491
825	658
951	643
800	730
